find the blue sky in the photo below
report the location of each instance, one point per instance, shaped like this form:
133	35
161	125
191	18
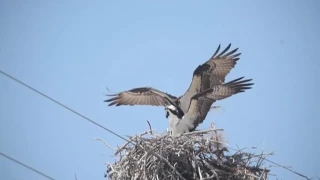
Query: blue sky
73	50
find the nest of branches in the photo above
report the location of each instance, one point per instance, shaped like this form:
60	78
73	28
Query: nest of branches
196	155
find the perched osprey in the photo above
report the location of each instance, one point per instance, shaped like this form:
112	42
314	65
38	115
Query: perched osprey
206	87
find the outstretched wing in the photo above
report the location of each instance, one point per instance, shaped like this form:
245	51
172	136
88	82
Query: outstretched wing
221	64
226	90
195	87
198	112
140	96
210	73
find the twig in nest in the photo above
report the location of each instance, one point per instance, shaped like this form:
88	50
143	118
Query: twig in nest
284	167
200	173
97	139
150	129
121	148
202	132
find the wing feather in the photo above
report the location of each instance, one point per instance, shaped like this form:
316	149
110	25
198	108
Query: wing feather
209	74
140	96
225	50
220	67
221	64
219	92
195	86
226	90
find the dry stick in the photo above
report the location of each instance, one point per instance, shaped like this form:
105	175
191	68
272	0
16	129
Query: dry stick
287	169
98	139
121	148
202	132
112	168
149	127
200	174
144	168
128	142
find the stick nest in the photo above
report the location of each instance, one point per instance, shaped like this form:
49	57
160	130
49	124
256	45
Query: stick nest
196	155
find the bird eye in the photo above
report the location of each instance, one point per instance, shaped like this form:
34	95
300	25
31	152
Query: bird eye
167	114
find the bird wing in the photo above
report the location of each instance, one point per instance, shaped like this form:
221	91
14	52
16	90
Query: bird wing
195	86
141	96
221	64
210	73
226	90
199	104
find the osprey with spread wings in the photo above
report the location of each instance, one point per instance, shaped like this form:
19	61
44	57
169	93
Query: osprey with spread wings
208	85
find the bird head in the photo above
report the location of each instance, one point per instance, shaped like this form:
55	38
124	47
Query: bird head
170	109
174	110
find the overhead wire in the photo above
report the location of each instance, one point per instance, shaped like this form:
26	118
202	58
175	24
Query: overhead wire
26	166
59	103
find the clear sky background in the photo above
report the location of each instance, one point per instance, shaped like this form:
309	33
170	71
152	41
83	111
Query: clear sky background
73	50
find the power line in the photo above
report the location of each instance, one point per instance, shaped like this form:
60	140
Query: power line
30	168
57	102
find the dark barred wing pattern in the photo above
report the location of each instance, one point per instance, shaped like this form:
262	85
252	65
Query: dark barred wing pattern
215	93
140	96
210	73
223	91
221	63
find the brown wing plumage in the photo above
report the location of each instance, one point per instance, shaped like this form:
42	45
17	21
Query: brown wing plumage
195	87
221	64
226	90
140	96
209	74
213	94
